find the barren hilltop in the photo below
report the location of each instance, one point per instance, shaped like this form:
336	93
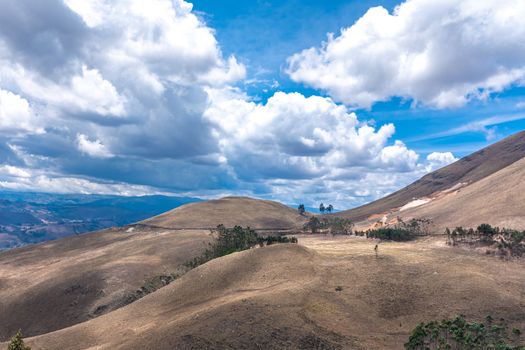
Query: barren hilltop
230	211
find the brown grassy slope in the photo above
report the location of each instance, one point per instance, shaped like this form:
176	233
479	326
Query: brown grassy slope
57	284
498	199
467	170
230	211
284	297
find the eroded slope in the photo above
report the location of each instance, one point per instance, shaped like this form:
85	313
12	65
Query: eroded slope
498	199
465	171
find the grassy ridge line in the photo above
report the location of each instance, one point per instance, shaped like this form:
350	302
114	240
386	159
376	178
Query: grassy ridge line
228	241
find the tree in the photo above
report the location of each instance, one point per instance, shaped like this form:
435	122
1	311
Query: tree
314	224
329	208
301	209
17	343
339	226
322	208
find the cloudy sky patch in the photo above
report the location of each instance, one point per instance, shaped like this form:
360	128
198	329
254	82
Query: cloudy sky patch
166	96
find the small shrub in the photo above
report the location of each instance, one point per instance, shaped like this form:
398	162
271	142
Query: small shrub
269	240
17	343
334	225
339	226
390	234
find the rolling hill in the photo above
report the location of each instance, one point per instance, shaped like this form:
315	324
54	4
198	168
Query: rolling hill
464	172
498	199
230	211
325	293
56	284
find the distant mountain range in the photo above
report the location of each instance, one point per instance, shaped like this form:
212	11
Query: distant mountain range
37	217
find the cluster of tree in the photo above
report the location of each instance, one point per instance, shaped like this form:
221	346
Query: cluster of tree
268	240
329	208
333	225
17	342
458	333
402	231
230	240
389	234
506	241
322	208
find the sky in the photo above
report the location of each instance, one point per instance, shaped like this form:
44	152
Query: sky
340	102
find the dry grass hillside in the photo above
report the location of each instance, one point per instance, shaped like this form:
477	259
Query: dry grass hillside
323	293
498	199
57	284
465	171
230	211
285	297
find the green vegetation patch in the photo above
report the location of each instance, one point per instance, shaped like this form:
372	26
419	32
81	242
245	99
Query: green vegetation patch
402	231
231	240
459	334
505	242
17	343
333	225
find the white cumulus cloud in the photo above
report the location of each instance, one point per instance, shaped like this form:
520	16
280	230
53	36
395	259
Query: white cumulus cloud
440	53
294	146
438	160
16	114
13	171
92	148
293	136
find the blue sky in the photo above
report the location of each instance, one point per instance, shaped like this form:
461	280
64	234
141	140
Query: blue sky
263	34
298	101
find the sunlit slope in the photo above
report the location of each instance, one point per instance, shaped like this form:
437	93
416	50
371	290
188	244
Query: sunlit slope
57	284
498	199
465	171
285	297
230	211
